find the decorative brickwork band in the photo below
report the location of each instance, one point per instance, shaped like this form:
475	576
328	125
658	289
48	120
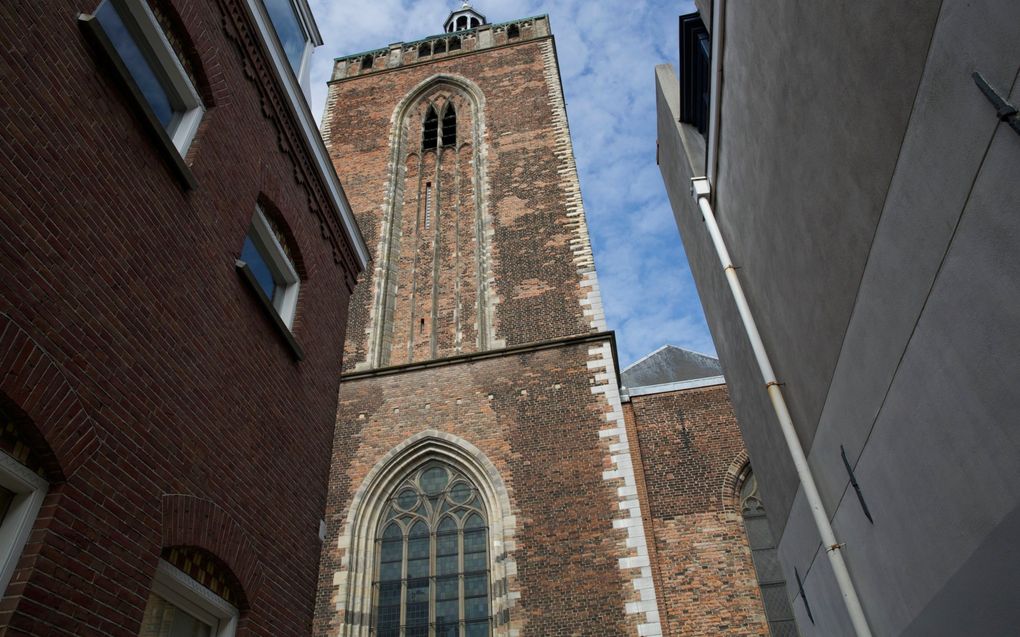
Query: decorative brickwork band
36	385
636	567
189	521
353	582
580	243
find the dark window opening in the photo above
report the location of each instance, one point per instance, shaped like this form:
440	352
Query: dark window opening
474	22
450	126
695	72
424	50
454	44
462	22
513	31
366	62
421	327
439	46
431	129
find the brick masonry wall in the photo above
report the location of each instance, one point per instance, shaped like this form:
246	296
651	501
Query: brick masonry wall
539	245
132	353
688	448
534	416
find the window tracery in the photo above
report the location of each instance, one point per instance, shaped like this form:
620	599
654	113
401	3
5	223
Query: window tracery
432	575
766	559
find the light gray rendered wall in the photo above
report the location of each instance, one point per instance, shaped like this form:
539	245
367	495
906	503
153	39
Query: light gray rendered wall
872	202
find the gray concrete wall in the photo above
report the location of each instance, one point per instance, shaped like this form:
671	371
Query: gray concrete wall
870	197
925	381
815	102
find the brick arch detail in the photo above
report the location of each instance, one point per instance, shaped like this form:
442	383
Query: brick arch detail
65	434
197	522
402	143
732	482
357	541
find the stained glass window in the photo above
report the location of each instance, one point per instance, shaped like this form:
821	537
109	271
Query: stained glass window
432	576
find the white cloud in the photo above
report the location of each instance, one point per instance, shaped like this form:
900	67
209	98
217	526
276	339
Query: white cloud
607	52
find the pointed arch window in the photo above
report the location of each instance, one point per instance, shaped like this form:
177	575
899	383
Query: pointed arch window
430	131
766	559
450	126
432	575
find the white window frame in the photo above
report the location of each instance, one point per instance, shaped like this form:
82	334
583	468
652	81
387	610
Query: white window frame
307	24
286	296
187	594
29	489
175	79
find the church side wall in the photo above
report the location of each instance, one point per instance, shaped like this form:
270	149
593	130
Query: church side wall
686	444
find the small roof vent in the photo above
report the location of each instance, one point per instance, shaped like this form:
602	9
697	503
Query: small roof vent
463	18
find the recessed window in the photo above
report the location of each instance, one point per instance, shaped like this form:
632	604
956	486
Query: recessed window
21	494
433	562
293	35
153	67
695	72
428	205
179	606
430	129
766	559
264	254
450	126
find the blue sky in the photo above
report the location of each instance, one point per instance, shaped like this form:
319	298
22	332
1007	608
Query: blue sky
607	52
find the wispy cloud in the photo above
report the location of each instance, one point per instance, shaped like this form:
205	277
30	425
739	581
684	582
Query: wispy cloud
607	51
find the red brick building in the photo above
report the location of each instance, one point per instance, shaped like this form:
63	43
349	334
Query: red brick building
489	476
176	259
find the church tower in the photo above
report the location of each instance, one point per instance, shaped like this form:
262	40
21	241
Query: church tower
482	481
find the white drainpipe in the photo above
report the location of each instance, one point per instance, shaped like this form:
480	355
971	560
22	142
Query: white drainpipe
702	192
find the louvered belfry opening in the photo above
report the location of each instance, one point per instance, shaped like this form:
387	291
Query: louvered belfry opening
430	131
450	126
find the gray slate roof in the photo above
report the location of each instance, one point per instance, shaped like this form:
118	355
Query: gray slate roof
670	364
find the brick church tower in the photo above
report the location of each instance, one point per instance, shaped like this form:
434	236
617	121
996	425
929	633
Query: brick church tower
482	479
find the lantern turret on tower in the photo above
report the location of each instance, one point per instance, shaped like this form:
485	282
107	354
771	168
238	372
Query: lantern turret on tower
463	18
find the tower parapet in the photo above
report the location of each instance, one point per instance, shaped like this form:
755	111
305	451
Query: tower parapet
443	45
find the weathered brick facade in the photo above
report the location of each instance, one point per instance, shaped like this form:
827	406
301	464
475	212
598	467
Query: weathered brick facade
478	339
690	452
165	409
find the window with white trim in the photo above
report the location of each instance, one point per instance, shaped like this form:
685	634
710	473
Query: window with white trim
179	606
264	253
154	67
292	30
21	495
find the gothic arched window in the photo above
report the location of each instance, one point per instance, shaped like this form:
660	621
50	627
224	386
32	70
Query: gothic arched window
430	131
432	574
450	126
766	560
